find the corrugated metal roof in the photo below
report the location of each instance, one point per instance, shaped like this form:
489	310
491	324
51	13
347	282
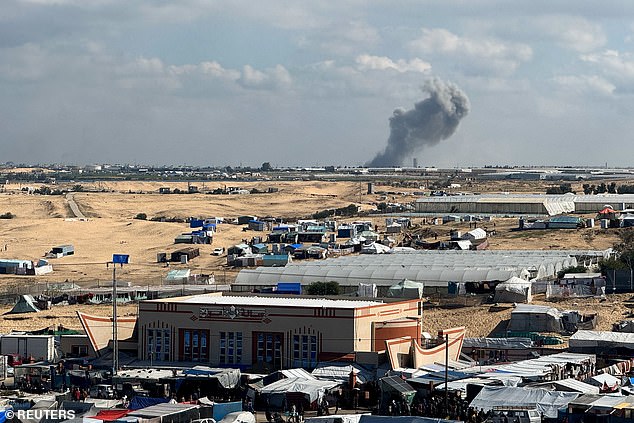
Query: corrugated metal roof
205	299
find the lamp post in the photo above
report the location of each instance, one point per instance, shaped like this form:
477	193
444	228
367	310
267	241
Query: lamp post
119	259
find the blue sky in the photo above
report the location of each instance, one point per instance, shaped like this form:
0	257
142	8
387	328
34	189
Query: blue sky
233	82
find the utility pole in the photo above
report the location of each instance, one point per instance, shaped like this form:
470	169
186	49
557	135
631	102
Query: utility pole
119	259
446	375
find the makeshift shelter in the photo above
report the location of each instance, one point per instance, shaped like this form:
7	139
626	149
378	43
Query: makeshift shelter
340	372
310	390
535	318
224	378
569	385
367	290
606	382
476	235
238	417
406	289
514	290
167	412
394	386
546	402
375	248
25	304
599	342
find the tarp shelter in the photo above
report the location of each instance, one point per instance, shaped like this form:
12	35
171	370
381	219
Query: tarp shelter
178	275
394	385
237	417
514	290
111	415
546	402
222	409
226	378
406	289
139	402
167	412
25	304
569	385
312	390
375	248
340	372
606	382
535	318
367	290
598	341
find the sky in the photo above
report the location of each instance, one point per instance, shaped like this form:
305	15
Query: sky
313	83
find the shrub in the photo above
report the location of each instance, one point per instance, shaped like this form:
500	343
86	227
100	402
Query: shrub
141	216
323	288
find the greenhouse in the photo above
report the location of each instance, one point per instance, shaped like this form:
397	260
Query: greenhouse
435	269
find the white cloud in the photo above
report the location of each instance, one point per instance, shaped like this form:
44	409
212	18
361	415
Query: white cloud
482	53
581	84
368	62
277	77
572	32
613	63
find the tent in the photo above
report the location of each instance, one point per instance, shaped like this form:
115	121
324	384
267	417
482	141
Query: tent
340	372
406	289
535	318
312	389
546	402
605	381
514	290
225	378
367	290
391	386
25	304
375	248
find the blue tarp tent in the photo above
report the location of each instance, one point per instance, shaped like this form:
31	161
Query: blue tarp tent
138	403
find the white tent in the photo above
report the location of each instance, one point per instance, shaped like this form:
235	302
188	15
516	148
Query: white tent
406	289
535	318
375	248
313	389
546	402
514	290
476	234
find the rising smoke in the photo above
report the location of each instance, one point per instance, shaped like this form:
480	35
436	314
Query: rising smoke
430	121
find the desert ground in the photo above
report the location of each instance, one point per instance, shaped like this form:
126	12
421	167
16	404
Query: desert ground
42	222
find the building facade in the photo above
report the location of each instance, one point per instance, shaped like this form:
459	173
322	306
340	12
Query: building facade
269	332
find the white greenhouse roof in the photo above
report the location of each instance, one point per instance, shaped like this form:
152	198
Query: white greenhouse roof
433	268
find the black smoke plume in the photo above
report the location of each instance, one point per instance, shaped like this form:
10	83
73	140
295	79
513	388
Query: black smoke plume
430	121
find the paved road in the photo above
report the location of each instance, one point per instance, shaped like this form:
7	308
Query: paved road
70	198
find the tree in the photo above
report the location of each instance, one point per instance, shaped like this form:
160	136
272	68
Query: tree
324	288
612	188
625	250
266	167
571	269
